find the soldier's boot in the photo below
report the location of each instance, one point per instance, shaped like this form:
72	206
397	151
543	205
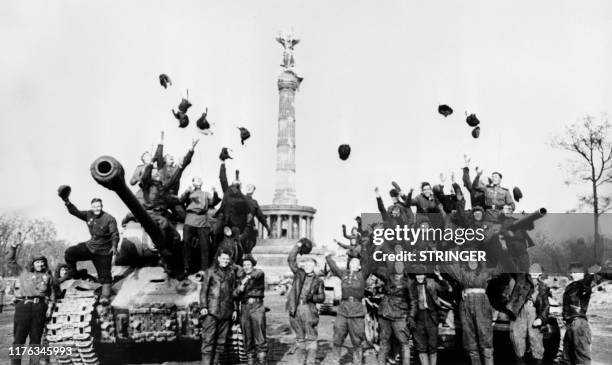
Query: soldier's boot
357	355
405	354
474	357
433	358
105	295
261	358
311	354
383	353
487	355
205	359
424	358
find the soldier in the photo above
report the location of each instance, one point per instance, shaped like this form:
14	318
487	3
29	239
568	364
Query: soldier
198	223
475	310
576	297
255	210
250	293
145	158
515	242
527	328
232	243
397	307
428	306
306	290
101	246
495	196
399	213
350	315
235	207
476	196
427	204
34	300
218	307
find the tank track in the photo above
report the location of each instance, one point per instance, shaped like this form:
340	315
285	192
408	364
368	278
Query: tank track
72	327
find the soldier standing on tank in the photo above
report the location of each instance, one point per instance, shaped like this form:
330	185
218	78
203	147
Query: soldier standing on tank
306	290
532	315
350	315
198	223
34	300
218	307
250	294
255	210
100	248
495	196
425	334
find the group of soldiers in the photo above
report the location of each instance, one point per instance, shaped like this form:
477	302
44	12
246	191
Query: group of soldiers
414	296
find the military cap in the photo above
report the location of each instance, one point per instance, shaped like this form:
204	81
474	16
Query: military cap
445	110
224	155
476	132
202	123
472	120
517	193
497	173
344	150
306	246
64	191
244	134
249	257
182	118
394	193
164	81
184	105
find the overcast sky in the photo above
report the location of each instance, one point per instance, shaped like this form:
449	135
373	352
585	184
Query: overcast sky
79	80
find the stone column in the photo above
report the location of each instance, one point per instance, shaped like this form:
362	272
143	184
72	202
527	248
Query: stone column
290	226
279	226
312	228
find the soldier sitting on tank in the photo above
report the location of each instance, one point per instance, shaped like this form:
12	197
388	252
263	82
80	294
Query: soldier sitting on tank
34	300
198	224
495	196
255	210
218	307
250	294
476	196
397	214
354	248
427	204
515	242
100	248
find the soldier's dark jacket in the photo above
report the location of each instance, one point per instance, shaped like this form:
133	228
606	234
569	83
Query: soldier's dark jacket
103	229
524	289
156	193
167	173
432	288
576	298
405	217
234	207
315	293
217	291
353	286
254	287
476	196
256	212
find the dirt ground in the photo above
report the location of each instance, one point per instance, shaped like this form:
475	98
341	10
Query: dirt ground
281	339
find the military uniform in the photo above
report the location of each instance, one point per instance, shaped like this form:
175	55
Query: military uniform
104	236
251	240
426	329
217	297
522	332
198	225
306	291
495	197
33	294
253	314
397	308
350	315
577	340
475	311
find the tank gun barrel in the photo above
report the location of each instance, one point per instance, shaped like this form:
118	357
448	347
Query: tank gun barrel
527	221
108	172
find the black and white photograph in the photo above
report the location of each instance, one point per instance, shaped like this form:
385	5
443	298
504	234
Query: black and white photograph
287	182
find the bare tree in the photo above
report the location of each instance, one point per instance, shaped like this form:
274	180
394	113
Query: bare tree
590	141
16	230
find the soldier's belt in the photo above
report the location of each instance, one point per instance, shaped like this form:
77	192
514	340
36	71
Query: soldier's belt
252	300
352	299
26	300
474	291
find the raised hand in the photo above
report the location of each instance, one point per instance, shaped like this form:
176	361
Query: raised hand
466	159
194	143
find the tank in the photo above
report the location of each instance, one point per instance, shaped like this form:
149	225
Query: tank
152	316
